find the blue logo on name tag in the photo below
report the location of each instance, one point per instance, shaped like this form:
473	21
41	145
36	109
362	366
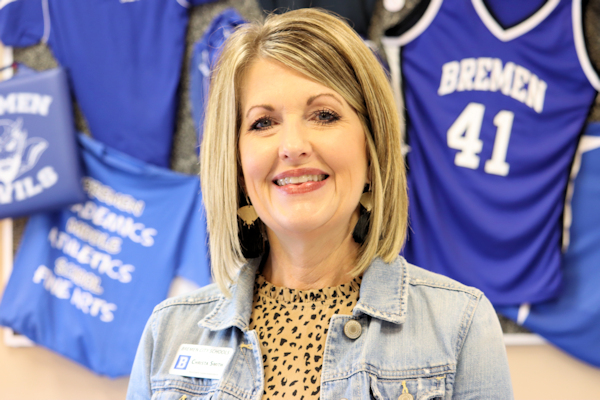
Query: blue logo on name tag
182	362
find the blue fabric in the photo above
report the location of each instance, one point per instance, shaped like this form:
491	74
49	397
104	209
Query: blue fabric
438	337
86	278
124	62
571	321
509	13
499	231
21	23
206	53
40	168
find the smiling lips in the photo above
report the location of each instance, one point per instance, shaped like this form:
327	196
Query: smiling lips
300	180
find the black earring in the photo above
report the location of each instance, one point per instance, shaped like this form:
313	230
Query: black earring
362	225
249	229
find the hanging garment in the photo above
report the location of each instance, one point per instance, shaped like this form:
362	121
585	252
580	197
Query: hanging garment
40	168
123	58
206	53
571	320
85	279
493	118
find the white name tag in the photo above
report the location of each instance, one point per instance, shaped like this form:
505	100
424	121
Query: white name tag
201	361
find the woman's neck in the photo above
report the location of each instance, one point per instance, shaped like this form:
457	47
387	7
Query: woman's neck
311	263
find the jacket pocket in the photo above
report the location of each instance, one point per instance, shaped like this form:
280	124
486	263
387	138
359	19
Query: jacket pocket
427	388
183	388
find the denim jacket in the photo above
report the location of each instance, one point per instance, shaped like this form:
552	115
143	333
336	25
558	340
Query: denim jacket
420	333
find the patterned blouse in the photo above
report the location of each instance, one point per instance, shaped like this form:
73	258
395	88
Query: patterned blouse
292	328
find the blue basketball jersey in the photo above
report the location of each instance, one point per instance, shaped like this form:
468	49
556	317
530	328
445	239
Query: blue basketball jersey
123	58
493	119
571	321
86	278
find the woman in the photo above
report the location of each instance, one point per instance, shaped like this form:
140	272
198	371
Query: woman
305	198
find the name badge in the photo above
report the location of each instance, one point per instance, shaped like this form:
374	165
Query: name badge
198	361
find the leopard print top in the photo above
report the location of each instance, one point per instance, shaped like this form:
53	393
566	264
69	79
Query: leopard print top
292	327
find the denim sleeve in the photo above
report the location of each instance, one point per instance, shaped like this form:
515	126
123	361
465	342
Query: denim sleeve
139	381
482	369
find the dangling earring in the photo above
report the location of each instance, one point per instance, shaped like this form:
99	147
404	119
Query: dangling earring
247	214
362	225
366	199
249	232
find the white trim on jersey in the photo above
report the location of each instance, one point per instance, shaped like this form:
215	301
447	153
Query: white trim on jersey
4	3
582	54
588	143
417	29
392	54
6	59
183	3
506	35
523	313
46	11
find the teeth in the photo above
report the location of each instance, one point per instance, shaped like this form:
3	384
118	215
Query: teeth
300	179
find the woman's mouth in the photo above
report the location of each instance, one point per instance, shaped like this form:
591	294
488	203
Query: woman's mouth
292	180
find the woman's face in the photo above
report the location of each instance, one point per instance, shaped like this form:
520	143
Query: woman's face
302	150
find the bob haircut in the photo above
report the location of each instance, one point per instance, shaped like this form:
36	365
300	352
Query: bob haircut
326	50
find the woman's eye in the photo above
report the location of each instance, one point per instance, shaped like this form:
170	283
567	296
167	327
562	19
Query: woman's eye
326	116
262	123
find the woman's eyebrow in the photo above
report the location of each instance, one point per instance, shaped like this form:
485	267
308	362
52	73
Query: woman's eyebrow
308	102
313	98
265	106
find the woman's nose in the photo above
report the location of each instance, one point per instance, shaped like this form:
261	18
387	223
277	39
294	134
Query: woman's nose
295	144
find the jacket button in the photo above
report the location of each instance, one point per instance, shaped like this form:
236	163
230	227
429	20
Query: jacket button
352	329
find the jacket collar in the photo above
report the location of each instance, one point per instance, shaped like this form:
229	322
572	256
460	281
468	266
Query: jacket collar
384	291
234	311
383	295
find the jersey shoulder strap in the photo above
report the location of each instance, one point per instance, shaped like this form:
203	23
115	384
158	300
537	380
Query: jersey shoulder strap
413	24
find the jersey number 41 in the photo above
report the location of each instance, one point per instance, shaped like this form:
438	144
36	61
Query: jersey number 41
464	134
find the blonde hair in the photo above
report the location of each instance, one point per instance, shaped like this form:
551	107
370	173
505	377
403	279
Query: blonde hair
323	48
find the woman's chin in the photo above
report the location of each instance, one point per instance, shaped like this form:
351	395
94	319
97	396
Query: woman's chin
298	228
307	227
